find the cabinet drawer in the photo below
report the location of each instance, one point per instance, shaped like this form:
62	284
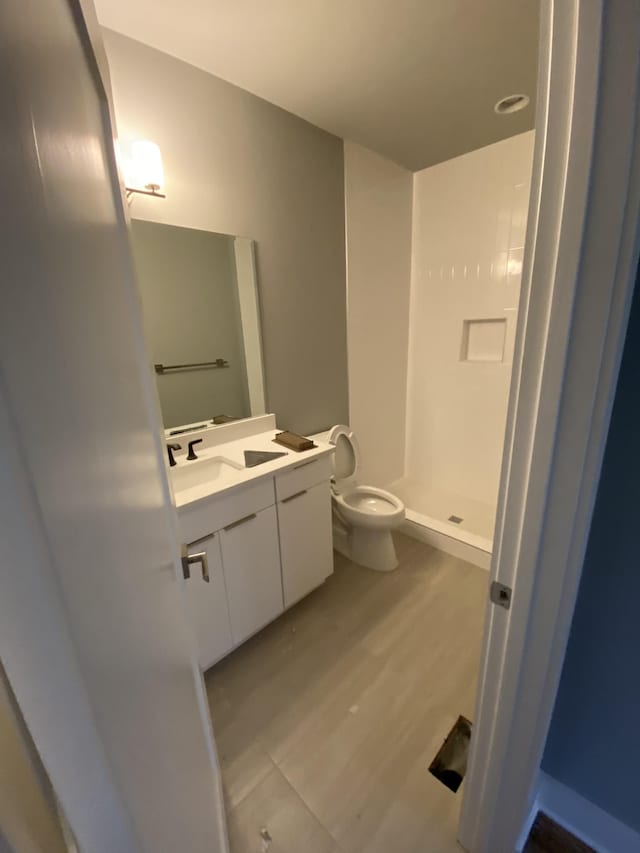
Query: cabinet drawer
303	476
221	510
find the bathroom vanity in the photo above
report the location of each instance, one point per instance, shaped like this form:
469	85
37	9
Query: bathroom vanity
265	531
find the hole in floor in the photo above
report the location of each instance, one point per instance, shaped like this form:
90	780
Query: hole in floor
450	763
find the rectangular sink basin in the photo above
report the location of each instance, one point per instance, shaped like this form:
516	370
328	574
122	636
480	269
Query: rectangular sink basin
186	475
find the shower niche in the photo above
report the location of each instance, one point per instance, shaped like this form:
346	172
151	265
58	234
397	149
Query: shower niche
483	340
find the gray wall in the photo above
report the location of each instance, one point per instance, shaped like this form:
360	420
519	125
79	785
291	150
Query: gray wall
593	744
236	164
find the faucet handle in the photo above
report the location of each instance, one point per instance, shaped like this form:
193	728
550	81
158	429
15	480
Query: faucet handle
192	454
171	448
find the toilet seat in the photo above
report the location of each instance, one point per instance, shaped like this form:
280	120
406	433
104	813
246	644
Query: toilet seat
346	457
370	499
365	506
369	506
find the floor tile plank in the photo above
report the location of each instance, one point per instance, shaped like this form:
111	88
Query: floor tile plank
274	806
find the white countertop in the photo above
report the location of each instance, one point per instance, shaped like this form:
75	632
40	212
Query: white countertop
234	451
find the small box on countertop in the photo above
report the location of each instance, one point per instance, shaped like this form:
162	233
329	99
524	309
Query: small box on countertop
294	441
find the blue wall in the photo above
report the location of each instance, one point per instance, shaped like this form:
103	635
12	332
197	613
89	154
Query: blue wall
594	740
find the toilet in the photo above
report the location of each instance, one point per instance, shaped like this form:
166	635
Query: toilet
364	516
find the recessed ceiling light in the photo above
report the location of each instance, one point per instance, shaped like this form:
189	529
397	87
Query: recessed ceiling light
511	104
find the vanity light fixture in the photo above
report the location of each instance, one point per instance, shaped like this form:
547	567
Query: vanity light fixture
143	169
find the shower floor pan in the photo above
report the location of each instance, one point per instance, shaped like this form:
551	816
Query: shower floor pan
452	523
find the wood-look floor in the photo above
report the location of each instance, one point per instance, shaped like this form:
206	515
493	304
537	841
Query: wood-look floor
327	721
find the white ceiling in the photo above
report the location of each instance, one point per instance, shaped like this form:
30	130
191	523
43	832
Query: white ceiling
414	80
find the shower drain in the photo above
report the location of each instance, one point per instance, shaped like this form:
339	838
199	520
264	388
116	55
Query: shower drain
455	519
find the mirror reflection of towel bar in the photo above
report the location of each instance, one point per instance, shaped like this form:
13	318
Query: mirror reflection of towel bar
201	365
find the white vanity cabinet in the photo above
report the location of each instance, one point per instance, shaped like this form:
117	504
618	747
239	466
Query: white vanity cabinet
251	558
268	543
306	547
304	528
207	603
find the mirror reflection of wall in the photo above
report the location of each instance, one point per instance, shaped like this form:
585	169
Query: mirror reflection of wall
199	303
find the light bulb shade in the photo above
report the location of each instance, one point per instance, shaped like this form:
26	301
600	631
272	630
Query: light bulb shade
146	166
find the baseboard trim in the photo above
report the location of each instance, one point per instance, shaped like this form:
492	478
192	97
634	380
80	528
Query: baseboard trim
582	818
446	543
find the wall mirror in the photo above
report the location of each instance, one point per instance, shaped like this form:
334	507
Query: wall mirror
202	321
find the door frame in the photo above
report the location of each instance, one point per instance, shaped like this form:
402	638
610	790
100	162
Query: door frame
579	270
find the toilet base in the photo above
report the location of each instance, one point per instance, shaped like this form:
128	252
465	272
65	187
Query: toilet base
373	549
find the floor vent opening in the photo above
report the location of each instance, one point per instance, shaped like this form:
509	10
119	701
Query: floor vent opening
450	763
455	519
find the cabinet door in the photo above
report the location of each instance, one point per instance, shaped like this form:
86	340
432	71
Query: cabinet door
306	541
207	603
251	559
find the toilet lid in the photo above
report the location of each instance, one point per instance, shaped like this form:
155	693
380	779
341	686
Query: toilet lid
345	459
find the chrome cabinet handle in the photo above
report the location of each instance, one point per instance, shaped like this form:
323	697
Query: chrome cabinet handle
189	560
241	521
293	497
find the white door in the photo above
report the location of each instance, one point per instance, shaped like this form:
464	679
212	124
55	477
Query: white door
306	541
207	602
251	559
83	479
